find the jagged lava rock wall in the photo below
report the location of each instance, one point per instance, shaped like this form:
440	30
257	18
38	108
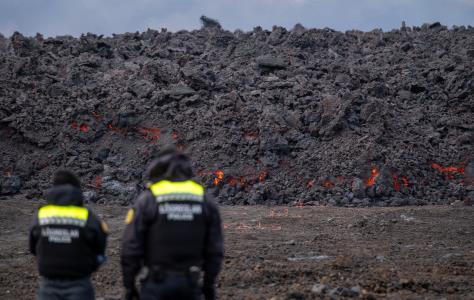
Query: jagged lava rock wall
307	116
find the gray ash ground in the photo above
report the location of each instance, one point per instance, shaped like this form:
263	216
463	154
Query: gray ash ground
307	116
284	253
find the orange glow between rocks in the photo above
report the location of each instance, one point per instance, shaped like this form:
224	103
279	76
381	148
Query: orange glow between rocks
251	136
84	127
98	182
374	173
460	168
232	181
396	183
174	135
262	176
219	176
328	184
405	181
152	135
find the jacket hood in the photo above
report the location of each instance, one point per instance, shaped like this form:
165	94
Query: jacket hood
173	167
65	194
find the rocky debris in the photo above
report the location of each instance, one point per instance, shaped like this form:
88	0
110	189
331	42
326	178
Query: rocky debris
318	288
270	62
208	22
10	185
301	116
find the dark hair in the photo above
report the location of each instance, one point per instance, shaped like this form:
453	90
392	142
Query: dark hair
66	177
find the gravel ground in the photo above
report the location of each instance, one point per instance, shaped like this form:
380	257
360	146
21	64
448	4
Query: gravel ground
295	252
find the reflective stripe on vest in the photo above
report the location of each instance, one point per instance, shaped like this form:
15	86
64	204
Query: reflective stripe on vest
166	190
63	215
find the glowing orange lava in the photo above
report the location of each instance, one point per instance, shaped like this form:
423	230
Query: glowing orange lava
262	176
232	181
449	170
151	134
98	182
251	136
328	184
219	176
396	184
84	127
405	181
374	173
174	135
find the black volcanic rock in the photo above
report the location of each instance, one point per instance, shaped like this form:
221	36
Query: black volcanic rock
289	116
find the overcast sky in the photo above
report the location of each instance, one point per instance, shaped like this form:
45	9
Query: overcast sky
59	17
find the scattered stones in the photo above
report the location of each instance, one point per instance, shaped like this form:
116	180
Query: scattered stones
315	257
318	288
10	185
407	218
270	61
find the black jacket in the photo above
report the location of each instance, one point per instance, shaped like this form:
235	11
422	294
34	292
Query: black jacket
172	234
66	237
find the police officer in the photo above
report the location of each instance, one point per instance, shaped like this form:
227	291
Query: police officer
68	241
174	230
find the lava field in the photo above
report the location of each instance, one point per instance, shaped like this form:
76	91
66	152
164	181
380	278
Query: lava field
300	116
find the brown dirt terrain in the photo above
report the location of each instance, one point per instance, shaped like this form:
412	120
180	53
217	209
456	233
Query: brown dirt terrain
280	253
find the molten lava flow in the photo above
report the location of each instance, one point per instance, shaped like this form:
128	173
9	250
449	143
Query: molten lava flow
151	134
449	170
405	181
111	127
232	181
251	136
396	184
262	175
98	182
84	127
374	173
175	135
328	184
219	176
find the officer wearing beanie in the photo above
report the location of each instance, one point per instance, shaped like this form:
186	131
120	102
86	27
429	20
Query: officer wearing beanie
68	241
174	231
